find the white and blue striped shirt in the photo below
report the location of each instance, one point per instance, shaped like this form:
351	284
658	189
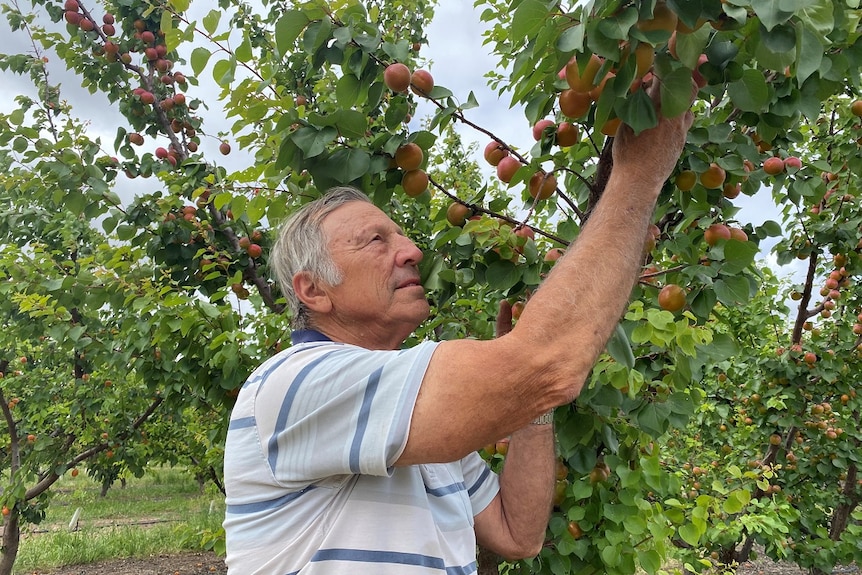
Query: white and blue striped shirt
311	486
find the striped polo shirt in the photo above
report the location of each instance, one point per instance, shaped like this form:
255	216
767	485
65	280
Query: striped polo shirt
311	486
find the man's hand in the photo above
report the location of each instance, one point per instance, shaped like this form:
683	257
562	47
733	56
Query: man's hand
650	157
504	318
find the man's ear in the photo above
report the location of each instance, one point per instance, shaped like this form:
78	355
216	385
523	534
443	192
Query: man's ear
311	293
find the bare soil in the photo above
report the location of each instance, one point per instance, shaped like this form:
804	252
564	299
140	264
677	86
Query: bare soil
192	563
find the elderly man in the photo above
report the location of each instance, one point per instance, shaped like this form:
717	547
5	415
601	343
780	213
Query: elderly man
347	454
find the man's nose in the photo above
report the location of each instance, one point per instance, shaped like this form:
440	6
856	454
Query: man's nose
408	253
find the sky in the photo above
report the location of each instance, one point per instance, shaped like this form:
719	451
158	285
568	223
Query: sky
458	61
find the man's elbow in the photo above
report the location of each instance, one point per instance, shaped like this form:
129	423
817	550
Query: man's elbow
522	550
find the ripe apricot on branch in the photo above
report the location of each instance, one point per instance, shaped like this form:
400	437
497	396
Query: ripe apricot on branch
494	152
457	214
716	233
773	166
409	157
713	178
414	182
397	77
539	127
542	185
663	18
856	108
582	81
421	83
574	104
567	134
671	298
507	167
686	180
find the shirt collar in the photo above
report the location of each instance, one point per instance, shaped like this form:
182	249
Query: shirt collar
306	336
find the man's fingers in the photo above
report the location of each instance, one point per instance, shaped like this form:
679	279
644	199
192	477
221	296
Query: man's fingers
504	318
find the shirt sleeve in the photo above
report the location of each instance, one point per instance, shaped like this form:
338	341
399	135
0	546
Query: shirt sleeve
336	410
481	482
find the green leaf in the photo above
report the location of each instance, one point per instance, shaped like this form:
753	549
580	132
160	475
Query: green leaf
809	54
732	291
223	72
620	349
351	124
200	57
676	90
690	534
502	275
528	17
770	12
638	111
738	256
288	28
750	93
349	164
211	21
347	90
649	561
312	141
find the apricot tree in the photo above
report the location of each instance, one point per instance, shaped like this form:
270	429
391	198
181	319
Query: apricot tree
166	294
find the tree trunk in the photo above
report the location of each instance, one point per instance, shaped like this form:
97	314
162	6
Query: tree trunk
11	540
841	515
489	562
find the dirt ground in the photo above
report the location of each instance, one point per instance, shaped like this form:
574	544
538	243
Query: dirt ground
209	563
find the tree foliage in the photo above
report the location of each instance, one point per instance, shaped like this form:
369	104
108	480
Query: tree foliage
131	317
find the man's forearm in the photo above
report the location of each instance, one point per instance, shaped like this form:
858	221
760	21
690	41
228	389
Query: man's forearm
527	485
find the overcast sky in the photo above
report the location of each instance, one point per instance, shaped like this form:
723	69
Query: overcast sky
459	62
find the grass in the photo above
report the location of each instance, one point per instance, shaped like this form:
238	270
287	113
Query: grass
162	512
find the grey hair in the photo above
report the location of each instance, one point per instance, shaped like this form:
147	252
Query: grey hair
301	246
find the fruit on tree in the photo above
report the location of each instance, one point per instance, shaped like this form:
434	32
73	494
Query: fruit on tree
610	127
421	82
575	530
600	473
507	167
567	134
517	309
663	18
539	127
713	178
738	234
457	214
542	186
414	182
136	138
856	108
553	254
716	233
494	152
254	251
792	163
397	77
773	166
409	156
671	298
582	81
574	104
686	180
731	190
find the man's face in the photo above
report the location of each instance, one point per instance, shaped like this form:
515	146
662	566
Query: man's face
380	295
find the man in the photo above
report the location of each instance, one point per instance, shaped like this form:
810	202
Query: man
346	454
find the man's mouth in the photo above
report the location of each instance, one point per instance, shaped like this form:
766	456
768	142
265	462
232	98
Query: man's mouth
410	283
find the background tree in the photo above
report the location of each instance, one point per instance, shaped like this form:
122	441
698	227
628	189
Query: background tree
165	293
